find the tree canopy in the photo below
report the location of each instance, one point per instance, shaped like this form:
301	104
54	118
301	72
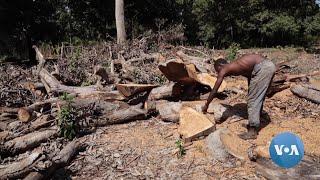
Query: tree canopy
217	23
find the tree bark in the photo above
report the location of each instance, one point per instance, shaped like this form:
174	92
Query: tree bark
123	115
26	142
308	92
120	23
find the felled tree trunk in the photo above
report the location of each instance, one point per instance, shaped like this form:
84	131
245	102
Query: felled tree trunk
187	74
168	111
131	89
123	115
26	142
164	92
308	92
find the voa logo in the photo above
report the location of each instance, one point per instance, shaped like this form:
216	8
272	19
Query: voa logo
293	150
286	150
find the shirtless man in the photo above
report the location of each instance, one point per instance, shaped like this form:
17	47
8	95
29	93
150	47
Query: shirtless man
259	72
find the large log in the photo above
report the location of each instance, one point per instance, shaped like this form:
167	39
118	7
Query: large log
306	169
25	114
176	70
168	111
130	89
165	92
26	142
187	74
122	115
194	124
308	92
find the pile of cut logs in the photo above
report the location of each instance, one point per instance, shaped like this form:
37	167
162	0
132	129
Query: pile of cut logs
29	134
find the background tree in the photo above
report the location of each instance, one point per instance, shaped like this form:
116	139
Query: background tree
119	13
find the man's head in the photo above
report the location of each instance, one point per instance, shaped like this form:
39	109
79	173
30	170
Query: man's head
219	63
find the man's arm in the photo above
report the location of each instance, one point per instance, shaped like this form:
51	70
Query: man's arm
214	91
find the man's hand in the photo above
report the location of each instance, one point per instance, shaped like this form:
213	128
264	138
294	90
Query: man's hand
204	109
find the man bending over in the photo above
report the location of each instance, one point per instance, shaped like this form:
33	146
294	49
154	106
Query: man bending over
259	72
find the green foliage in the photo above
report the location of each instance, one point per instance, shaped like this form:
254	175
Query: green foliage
232	51
67	118
214	23
66	97
182	151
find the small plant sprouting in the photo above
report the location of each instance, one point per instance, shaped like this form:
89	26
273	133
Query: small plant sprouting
232	51
179	145
67	118
67	97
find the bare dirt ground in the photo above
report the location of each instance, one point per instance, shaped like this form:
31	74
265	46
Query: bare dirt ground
147	150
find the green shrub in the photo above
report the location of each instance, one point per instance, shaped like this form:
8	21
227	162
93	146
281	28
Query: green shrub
182	151
232	51
67	119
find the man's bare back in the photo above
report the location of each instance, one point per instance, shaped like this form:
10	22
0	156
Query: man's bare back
242	66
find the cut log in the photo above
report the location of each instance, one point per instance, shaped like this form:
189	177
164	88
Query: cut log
194	124
306	169
123	115
42	121
187	74
234	145
308	92
20	169
177	71
215	146
168	111
276	87
164	92
33	86
207	79
26	142
130	89
25	114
